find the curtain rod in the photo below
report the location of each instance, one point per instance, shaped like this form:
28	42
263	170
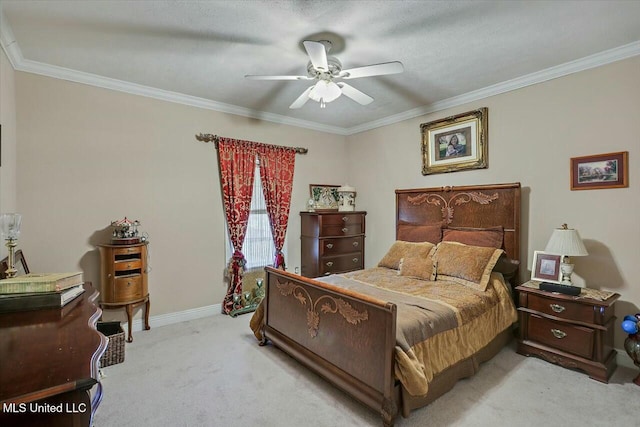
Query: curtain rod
207	137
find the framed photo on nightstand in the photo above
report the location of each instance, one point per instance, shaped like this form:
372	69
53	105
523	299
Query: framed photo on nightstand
546	267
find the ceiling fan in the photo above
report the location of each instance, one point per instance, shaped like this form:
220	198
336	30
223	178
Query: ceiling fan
327	72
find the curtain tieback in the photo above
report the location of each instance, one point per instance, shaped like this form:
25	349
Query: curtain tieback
237	263
279	261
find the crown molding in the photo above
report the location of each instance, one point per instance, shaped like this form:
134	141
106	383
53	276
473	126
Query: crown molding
11	48
165	95
8	42
586	63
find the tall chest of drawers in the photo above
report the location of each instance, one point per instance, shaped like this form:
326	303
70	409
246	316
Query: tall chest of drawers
124	279
332	242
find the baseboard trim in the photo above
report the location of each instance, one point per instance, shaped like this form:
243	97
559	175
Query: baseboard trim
176	317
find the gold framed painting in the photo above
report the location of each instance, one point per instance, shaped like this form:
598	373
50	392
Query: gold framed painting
455	143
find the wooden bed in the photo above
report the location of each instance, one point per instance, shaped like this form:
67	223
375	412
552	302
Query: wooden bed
350	338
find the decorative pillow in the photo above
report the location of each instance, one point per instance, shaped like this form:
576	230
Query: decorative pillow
464	264
401	250
420	233
418	267
486	237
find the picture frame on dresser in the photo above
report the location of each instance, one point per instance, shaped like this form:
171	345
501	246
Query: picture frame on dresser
325	197
599	171
19	262
455	143
546	267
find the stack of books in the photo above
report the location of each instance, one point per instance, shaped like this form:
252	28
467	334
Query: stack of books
37	291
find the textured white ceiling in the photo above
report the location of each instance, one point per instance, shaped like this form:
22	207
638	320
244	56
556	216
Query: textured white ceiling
451	50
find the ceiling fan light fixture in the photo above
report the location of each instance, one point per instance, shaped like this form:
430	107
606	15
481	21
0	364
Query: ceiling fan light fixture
325	91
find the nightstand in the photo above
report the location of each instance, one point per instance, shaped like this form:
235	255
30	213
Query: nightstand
124	280
571	331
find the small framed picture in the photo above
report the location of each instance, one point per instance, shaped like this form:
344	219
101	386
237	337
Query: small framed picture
600	171
325	197
546	267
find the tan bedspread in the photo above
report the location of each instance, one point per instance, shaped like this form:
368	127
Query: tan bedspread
438	323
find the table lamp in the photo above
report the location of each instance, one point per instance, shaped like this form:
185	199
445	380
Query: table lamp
10	228
566	242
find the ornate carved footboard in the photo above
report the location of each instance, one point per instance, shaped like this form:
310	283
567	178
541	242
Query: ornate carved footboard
345	337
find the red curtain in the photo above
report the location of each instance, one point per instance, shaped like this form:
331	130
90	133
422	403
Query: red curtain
237	165
276	173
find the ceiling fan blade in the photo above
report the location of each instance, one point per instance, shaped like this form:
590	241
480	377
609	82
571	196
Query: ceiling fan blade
394	67
353	93
318	55
254	77
302	99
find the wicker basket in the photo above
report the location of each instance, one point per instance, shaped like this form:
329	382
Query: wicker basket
115	348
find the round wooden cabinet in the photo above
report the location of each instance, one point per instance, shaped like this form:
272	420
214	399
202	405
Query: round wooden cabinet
124	279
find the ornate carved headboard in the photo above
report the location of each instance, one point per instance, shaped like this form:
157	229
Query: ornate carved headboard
478	206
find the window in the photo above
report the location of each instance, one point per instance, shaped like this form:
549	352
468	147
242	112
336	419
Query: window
258	247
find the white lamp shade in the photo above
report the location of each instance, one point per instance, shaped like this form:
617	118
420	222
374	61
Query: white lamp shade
566	242
325	91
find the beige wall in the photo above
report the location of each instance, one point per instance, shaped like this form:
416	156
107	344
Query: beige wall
8	155
88	156
533	132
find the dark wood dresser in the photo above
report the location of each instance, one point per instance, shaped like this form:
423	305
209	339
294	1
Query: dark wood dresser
49	364
574	332
332	242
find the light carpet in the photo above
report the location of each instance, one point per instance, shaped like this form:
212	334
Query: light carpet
211	372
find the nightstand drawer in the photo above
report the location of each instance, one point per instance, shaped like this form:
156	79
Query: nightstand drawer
560	308
128	250
128	288
577	340
130	264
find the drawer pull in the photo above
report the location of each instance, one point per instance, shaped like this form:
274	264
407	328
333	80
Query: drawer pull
344	230
329	245
355	243
558	333
355	260
128	283
329	263
344	218
557	308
